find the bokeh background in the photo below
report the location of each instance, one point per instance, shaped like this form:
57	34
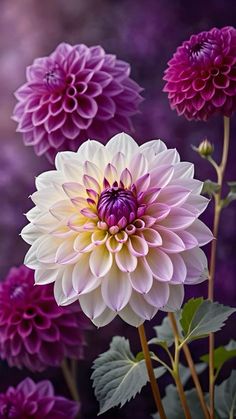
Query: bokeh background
144	33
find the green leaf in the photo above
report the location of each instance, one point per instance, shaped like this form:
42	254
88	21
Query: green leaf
210	187
118	375
225	397
222	354
201	317
188	312
185	373
164	334
173	408
231	195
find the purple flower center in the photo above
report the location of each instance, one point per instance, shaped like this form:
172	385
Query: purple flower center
55	79
116	205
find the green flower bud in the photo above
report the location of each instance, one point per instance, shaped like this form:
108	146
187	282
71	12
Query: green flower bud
205	149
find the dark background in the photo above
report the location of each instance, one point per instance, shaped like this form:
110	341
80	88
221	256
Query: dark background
144	33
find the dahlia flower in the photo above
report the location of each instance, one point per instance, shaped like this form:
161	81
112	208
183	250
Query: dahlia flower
34	331
201	76
36	401
78	92
117	228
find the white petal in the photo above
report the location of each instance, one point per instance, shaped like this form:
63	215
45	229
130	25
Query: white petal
92	303
47	249
60	297
125	261
158	294
138	166
196	264
141	307
46	276
176	298
116	288
171	242
65	253
180	270
30	233
48	179
201	232
160	264
130	317
161	176
141	278
183	170
106	317
198	201
173	195
124	143
178	219
169	156
82	278
100	261
151	149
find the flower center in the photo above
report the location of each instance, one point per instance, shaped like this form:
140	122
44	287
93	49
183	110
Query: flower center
201	51
116	205
54	79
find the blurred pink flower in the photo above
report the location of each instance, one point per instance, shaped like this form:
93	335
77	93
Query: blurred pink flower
36	401
74	94
201	76
34	331
116	227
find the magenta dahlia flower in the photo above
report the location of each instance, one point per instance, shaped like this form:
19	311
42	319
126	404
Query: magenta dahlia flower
117	227
34	331
201	76
78	92
30	400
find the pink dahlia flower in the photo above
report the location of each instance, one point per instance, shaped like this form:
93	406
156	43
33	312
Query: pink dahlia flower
117	227
37	401
201	76
34	331
78	92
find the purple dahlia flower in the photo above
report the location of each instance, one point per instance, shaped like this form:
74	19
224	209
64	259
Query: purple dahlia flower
34	331
36	401
201	76
74	94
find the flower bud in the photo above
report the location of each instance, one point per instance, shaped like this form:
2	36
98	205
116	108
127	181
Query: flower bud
205	149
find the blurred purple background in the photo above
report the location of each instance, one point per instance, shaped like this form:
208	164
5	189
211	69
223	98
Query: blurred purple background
145	34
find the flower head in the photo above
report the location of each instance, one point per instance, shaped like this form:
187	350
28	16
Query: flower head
116	227
78	92
31	323
36	401
201	76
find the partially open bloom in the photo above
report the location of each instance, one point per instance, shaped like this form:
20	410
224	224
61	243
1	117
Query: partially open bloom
78	92
34	331
36	401
116	227
201	76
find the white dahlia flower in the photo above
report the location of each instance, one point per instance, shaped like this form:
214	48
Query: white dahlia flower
116	227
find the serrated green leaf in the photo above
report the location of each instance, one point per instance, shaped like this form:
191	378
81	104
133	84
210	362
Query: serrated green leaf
173	408
210	187
118	376
185	373
203	318
222	354
164	334
188	312
225	397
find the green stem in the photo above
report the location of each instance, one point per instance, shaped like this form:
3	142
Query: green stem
220	170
